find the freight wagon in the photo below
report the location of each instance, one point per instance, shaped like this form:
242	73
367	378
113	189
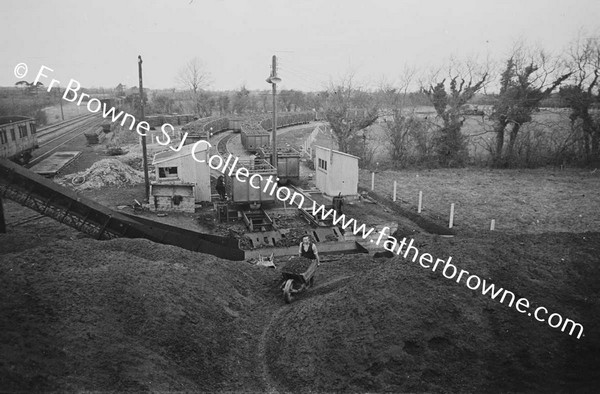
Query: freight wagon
255	138
243	192
288	163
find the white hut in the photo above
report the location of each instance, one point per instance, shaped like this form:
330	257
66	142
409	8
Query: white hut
336	172
180	170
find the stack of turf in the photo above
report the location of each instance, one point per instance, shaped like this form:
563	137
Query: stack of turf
296	265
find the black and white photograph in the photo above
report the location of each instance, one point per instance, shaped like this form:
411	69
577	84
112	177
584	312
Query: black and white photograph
300	196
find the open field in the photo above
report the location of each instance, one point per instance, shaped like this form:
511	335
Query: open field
521	201
70	110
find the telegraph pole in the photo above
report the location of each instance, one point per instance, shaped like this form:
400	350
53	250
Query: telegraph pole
273	79
144	152
60	100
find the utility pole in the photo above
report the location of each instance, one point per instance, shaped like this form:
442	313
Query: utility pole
274	80
60	100
144	152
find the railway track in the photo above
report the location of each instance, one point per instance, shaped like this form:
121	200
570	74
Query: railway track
66	133
48	132
222	145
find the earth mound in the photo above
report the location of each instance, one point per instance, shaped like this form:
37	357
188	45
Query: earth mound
121	315
132	315
402	328
106	172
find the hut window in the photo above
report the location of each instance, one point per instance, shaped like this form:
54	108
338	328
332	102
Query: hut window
167	172
22	131
323	164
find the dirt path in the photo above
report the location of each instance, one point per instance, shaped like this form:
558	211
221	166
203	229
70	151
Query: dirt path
270	384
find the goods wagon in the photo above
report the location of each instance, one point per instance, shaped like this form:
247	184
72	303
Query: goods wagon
235	125
288	163
244	192
255	138
204	128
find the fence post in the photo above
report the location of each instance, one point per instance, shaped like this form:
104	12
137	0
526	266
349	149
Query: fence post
394	191
451	216
493	225
420	201
372	181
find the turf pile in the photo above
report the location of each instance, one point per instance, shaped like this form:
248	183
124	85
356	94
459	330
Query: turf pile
106	172
403	328
119	315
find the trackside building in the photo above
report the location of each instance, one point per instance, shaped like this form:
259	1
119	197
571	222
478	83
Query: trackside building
181	181
336	172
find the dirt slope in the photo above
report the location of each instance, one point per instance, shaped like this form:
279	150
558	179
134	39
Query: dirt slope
399	327
130	315
120	315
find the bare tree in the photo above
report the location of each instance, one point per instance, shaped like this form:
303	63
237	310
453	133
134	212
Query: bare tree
400	122
194	78
582	92
464	81
529	77
349	109
241	100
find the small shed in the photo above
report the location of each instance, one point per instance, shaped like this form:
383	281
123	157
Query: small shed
175	196
336	172
180	169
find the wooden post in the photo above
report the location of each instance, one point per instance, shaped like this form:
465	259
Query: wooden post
420	201
394	190
451	216
144	149
2	222
493	225
372	181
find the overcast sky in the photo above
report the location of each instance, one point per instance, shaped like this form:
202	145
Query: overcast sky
97	43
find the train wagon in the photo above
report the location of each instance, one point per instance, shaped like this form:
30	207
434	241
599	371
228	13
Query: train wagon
288	119
288	163
17	138
252	139
242	192
235	125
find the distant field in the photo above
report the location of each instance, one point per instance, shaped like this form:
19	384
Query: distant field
521	201
70	110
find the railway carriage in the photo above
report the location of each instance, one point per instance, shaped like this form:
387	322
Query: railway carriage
18	138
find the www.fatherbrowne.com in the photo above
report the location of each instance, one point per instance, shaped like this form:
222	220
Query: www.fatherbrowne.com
450	271
284	194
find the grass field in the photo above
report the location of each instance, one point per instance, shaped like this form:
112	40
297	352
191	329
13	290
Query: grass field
522	201
70	110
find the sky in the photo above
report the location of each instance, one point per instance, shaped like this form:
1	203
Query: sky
97	43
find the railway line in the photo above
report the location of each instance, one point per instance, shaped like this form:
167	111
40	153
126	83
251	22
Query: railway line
46	133
222	144
59	135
